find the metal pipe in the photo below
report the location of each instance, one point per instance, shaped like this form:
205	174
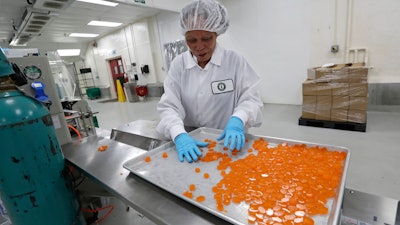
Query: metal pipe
349	27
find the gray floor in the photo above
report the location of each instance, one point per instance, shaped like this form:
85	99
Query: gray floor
375	154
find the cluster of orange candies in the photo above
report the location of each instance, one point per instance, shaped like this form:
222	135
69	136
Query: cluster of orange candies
283	185
192	188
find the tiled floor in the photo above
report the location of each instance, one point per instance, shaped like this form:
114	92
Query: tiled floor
375	154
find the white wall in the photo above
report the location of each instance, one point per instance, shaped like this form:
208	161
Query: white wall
281	39
156	50
169	31
274	37
376	26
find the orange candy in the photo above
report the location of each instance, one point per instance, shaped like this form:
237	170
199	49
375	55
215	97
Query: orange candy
147	159
192	187
188	194
200	198
102	148
165	155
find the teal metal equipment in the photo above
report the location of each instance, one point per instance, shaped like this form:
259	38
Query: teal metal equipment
33	184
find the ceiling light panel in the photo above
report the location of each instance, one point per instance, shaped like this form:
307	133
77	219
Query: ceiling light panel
68	52
100	2
103	23
83	35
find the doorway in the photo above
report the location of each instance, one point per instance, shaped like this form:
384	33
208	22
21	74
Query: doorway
117	71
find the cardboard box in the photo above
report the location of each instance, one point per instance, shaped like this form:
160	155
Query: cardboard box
323	74
315	73
358	103
339	115
340	73
358	79
340	76
324	102
308	112
357	116
358	89
324	106
358	74
323	114
358	64
340	102
309	88
309	107
324	89
309	100
340	89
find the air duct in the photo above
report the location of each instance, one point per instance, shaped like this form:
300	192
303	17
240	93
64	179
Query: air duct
52	5
35	18
32	22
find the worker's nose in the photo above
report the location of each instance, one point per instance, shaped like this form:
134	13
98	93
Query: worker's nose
198	47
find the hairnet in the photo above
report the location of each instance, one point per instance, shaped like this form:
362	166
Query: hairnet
208	15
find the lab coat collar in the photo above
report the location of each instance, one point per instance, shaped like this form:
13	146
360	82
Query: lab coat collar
216	58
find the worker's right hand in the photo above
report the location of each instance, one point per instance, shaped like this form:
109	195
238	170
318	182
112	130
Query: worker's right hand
188	147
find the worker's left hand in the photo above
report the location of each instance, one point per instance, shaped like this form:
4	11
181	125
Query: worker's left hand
233	134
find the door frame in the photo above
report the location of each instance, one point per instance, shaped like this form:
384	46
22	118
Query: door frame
111	77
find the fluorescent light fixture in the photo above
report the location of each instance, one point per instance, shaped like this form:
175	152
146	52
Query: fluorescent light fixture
82	35
103	23
68	52
100	2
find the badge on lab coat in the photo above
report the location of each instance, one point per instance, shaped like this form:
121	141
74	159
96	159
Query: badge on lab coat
222	86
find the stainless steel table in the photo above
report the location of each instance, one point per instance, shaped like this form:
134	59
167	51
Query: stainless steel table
106	168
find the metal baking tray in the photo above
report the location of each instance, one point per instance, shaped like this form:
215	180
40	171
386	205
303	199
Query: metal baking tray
175	177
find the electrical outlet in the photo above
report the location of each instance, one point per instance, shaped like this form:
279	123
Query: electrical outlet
334	48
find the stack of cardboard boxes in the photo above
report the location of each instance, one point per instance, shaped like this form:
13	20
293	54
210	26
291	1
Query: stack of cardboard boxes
336	93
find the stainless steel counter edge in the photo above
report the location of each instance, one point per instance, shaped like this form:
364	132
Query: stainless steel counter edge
106	168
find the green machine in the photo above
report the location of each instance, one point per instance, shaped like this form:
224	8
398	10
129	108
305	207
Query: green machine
34	184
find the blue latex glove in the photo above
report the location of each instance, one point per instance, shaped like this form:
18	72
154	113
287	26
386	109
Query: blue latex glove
233	134
188	147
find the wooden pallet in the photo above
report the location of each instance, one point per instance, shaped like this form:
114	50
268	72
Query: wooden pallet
361	127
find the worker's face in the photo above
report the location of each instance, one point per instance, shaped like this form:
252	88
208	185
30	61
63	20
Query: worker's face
202	44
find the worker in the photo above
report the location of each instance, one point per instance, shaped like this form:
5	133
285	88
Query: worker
208	86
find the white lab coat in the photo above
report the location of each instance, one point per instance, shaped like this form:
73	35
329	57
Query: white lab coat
196	97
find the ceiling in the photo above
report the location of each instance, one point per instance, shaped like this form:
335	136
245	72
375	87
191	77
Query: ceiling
63	17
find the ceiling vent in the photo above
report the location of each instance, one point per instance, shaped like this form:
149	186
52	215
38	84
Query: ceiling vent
21	40
36	17
31	25
52	5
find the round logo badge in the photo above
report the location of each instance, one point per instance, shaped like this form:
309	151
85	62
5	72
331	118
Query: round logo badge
221	86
